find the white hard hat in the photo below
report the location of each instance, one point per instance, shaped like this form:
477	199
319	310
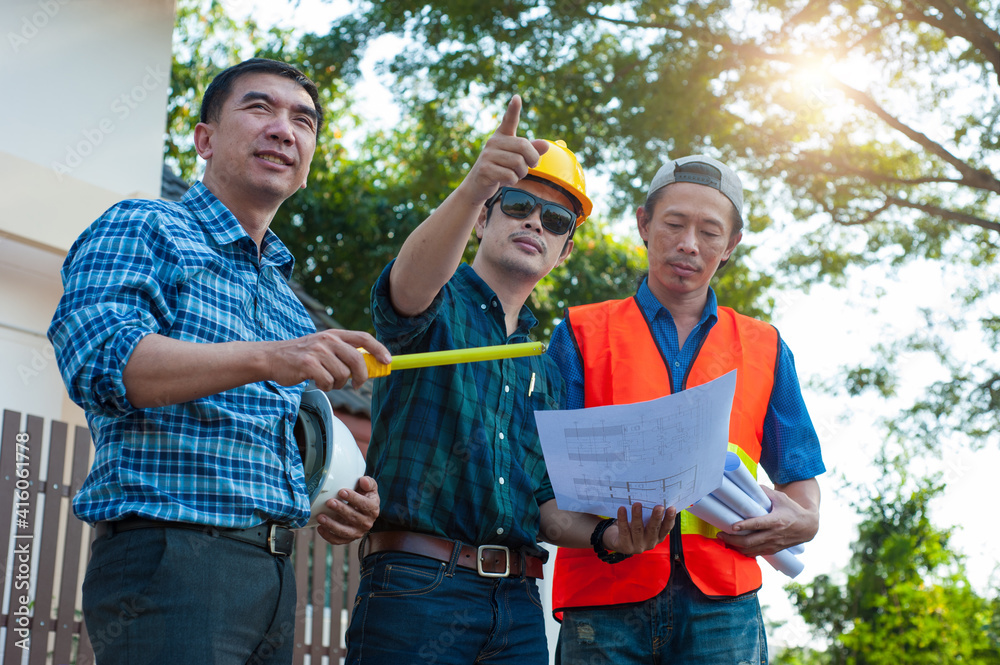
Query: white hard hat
330	455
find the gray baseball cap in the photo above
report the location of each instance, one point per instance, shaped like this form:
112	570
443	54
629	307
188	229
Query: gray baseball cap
701	170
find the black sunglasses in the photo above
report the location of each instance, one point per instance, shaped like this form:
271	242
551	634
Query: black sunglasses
518	204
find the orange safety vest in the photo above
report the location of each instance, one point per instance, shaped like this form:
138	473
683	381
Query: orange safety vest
619	355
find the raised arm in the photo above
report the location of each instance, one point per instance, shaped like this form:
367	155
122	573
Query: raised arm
431	253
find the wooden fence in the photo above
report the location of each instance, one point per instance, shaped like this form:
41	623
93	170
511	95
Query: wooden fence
45	549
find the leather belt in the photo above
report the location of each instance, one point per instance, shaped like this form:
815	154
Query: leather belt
274	538
486	560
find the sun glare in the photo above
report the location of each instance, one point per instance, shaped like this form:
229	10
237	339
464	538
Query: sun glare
818	83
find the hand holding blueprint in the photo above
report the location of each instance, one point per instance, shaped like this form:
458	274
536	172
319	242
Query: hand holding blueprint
669	451
737	498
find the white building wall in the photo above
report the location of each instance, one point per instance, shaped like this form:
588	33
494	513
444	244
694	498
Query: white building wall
92	78
29	291
86	86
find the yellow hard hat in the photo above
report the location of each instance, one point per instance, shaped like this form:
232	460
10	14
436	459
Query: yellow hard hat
559	166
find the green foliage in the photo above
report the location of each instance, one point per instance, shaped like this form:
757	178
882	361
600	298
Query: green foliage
964	406
632	81
801	656
906	598
357	211
880	379
583	80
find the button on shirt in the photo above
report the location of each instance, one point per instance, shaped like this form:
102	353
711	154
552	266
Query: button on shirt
187	271
790	447
454	448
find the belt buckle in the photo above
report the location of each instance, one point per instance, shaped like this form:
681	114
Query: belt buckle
273	546
479	560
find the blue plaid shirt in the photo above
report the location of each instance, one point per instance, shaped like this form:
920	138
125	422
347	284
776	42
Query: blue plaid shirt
790	446
187	271
454	448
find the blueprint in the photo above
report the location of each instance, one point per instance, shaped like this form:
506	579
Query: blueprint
669	451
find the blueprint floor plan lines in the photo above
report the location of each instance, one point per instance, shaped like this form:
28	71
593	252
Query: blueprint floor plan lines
668	451
648	441
657	491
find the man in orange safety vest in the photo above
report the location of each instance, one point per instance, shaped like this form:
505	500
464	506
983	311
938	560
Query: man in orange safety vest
692	599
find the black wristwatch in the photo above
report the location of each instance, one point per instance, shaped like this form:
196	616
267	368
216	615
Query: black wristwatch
597	540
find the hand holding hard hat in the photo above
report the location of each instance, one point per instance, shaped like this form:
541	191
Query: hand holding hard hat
330	456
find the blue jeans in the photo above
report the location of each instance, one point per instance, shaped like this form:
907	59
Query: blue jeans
168	596
680	625
411	609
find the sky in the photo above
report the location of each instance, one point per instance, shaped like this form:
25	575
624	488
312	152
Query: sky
826	330
830	328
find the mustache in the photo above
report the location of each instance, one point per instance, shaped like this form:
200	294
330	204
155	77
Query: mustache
532	237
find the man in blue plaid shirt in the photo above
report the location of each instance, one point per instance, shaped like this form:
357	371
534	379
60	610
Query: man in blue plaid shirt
449	569
181	339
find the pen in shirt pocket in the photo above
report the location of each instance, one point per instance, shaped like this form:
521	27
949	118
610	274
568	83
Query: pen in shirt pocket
531	385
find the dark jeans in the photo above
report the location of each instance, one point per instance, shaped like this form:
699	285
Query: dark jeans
169	596
679	625
411	609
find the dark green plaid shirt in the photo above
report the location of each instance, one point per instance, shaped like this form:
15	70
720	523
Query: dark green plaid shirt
454	448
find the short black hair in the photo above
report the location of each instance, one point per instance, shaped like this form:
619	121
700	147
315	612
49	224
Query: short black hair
222	85
650	205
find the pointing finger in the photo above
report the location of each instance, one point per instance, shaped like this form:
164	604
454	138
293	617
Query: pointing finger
508	125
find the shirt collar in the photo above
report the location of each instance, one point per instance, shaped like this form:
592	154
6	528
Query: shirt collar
225	229
525	319
650	306
275	253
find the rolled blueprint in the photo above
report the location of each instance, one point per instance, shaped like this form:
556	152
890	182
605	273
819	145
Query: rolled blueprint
715	513
738	474
741	502
722	517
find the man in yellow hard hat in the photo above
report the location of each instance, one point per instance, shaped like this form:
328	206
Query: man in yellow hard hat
449	569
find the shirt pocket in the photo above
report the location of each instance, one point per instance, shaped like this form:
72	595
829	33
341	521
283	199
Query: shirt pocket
215	306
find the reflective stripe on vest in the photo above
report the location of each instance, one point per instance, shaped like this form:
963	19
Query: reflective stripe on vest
619	355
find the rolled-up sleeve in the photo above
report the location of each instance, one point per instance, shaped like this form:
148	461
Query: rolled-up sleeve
114	295
395	331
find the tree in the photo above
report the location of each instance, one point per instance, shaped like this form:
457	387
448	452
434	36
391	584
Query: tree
633	80
801	656
906	598
870	131
358	209
206	41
